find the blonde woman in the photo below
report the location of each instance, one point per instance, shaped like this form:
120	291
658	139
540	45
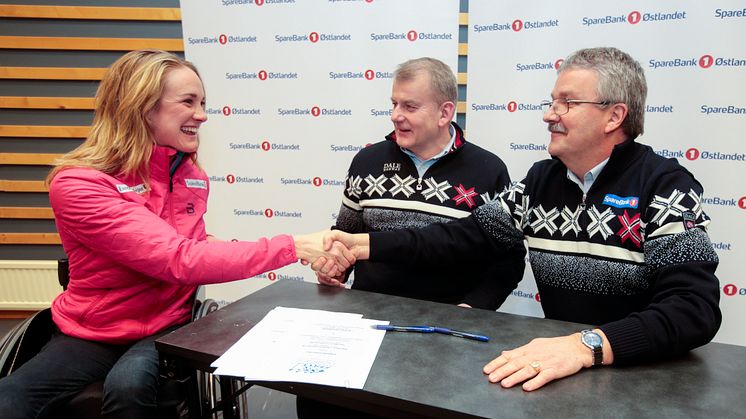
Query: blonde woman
129	205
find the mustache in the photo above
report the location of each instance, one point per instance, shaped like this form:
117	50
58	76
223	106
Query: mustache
557	127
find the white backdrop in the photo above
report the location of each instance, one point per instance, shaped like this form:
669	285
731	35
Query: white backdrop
296	88
269	68
694	58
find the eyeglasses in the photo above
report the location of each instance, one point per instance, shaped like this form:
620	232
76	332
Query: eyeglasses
562	106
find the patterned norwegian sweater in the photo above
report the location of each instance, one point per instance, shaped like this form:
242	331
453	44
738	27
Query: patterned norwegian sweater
632	256
384	192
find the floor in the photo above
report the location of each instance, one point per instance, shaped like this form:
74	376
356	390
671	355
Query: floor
263	403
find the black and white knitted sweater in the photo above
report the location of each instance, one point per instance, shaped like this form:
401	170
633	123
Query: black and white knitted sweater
384	192
631	256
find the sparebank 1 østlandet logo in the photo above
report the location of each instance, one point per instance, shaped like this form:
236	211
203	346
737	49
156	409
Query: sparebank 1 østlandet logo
262	75
539	65
264	145
368	75
273	276
255	2
231	179
410	36
313	37
315	112
704	61
517	25
267	213
222	39
316	181
694	154
511	107
233	111
633	18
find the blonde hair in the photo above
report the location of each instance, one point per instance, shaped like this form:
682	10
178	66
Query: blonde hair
120	141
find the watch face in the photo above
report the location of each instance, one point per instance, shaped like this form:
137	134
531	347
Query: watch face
592	339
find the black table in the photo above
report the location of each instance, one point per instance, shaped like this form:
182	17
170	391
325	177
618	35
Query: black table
434	375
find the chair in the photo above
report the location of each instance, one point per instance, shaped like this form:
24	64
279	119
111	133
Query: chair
28	337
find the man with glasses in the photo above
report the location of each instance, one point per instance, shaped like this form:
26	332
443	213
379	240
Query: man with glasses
616	234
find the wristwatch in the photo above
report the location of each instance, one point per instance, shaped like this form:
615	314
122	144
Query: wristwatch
593	341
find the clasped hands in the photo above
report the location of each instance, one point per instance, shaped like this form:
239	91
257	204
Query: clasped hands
331	253
535	364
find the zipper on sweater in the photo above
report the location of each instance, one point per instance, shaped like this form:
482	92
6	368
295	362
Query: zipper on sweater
582	203
419	183
174	164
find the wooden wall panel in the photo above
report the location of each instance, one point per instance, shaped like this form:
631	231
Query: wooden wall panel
16	210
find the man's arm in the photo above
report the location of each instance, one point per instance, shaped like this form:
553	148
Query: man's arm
498	279
683	312
501	275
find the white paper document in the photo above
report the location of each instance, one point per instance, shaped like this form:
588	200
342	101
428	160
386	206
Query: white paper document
306	346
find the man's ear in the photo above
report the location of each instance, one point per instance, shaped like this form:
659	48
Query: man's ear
447	111
617	115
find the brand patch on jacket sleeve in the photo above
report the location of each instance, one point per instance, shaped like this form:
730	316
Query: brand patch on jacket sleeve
138	189
196	183
621	202
689	220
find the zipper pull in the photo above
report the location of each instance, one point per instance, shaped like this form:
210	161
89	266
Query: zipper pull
419	183
582	203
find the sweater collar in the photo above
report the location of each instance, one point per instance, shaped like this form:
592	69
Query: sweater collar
458	142
162	159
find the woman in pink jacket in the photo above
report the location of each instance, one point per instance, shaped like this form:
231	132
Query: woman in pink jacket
129	205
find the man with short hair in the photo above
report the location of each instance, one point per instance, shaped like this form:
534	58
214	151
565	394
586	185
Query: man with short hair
425	172
616	234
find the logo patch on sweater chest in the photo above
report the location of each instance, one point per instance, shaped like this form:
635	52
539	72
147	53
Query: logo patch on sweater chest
391	167
621	202
196	183
138	189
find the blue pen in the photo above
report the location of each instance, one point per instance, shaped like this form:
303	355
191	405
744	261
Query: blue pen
461	334
391	328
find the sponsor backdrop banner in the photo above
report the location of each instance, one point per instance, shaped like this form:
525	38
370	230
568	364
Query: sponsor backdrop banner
294	90
695	63
296	87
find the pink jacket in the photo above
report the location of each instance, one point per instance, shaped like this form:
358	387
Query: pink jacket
137	257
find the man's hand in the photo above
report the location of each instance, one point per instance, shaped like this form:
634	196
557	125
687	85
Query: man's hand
540	361
311	248
321	263
358	244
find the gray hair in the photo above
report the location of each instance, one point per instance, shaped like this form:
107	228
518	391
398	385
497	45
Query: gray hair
620	80
442	80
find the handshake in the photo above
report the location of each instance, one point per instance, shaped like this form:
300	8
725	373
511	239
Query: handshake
331	253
